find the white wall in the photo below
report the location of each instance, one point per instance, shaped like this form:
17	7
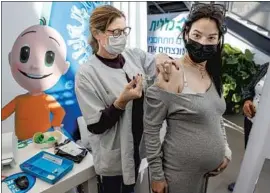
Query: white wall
136	15
16	17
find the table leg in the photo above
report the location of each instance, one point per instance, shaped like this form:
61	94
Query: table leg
90	186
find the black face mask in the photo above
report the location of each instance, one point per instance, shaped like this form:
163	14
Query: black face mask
200	53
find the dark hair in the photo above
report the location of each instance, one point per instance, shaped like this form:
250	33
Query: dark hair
100	19
217	13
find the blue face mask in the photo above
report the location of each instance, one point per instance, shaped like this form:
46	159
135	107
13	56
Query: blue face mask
200	53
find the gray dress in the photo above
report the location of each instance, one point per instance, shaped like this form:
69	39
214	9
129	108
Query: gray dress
194	143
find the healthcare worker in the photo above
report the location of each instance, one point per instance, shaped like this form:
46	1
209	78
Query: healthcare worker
110	91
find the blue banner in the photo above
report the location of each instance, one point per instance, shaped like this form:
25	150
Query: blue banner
71	20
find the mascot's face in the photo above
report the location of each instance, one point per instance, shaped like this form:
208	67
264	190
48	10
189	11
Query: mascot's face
38	58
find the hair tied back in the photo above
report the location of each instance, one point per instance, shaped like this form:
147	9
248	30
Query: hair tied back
223	29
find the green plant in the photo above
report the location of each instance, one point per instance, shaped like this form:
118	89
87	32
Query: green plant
237	71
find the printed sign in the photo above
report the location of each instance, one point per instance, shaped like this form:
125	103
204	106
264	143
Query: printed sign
164	34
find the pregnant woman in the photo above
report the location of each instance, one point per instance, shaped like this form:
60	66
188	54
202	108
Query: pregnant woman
192	104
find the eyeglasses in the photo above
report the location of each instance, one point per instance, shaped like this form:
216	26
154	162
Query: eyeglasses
117	32
196	7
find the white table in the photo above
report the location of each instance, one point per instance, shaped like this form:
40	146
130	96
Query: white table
81	173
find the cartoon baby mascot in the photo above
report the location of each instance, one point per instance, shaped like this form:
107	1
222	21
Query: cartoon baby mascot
37	61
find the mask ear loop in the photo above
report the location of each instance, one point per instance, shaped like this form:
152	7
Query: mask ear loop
103	32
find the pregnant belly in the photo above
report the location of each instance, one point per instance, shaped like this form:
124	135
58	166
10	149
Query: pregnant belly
202	153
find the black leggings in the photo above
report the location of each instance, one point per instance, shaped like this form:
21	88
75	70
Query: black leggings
247	128
113	184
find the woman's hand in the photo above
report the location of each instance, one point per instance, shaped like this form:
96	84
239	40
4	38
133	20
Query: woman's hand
249	109
221	168
164	66
159	186
133	90
58	129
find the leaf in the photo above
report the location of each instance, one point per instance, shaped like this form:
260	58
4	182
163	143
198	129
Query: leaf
249	56
225	93
232	85
225	90
237	70
230	50
236	98
232	60
237	106
253	71
237	51
244	75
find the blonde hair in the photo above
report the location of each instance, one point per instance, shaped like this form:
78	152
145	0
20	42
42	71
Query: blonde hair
100	19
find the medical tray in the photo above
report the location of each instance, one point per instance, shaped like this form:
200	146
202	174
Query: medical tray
47	166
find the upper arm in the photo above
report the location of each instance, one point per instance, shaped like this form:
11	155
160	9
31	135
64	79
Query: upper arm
53	104
248	91
176	83
89	102
156	109
8	109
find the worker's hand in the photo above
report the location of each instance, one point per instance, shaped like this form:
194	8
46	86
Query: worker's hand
249	109
164	66
159	186
133	90
221	168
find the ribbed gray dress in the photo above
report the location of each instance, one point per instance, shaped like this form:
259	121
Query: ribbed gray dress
194	143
